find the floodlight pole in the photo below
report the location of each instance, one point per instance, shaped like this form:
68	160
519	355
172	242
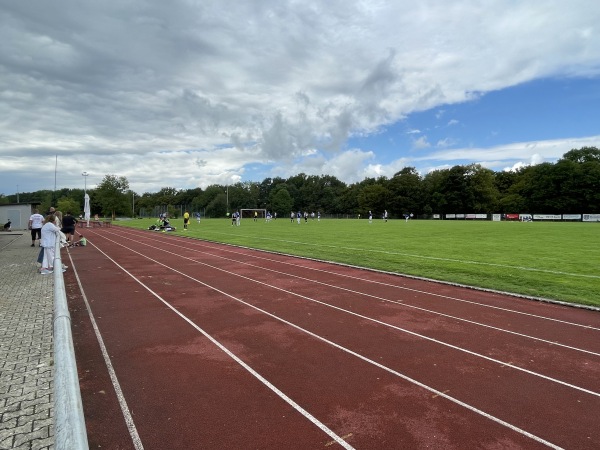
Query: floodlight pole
85	175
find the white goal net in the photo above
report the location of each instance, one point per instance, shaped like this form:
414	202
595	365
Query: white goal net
253	213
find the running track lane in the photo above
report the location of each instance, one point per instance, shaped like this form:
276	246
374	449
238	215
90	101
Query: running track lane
333	354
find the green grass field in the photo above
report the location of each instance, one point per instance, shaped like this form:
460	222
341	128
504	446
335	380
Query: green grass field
558	261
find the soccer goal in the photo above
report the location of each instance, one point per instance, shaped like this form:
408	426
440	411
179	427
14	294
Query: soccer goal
249	213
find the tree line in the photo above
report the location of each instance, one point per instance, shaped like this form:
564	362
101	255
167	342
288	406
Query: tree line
569	186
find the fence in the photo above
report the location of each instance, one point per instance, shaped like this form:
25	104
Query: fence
69	424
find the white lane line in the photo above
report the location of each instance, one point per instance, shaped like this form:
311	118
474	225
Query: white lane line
399	303
379	322
446	297
255	374
135	438
327	341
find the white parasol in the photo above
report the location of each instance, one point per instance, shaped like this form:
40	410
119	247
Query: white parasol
86	209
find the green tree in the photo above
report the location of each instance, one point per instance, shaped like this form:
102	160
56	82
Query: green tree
66	204
406	188
435	198
111	195
373	198
281	201
582	155
483	193
214	201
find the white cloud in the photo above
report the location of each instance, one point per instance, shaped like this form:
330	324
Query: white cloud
143	89
497	157
421	143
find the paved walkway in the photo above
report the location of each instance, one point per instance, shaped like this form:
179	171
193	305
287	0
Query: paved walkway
26	347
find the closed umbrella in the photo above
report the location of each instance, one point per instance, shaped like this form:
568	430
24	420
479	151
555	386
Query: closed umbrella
86	209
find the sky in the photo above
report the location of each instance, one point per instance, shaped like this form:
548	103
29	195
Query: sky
191	93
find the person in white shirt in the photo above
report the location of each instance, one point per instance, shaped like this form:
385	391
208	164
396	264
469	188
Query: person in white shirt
36	221
50	233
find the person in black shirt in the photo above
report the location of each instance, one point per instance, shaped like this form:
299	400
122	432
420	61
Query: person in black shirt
68	227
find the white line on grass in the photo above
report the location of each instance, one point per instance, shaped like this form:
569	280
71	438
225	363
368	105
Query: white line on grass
433	258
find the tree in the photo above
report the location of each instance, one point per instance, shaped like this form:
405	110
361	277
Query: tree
435	200
372	198
111	195
66	204
483	193
406	192
281	201
584	154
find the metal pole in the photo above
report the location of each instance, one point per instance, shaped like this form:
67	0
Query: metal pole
85	175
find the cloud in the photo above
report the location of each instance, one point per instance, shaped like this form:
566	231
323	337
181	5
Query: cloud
146	89
421	143
495	157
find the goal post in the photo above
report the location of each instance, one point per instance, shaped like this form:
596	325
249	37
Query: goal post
248	213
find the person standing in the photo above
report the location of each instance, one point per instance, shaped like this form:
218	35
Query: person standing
50	233
186	219
36	222
68	227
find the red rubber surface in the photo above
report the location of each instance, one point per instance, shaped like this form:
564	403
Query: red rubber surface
380	360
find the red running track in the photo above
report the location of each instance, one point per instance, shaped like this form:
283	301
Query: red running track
182	343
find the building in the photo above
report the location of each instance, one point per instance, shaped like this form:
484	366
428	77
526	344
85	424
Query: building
18	214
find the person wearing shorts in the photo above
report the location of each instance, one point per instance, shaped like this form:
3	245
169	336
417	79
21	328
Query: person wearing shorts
36	222
68	227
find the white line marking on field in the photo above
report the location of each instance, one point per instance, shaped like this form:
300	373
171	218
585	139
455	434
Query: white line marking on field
137	442
259	377
344	349
434	258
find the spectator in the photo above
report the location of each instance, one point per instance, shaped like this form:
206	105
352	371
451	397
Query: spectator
36	222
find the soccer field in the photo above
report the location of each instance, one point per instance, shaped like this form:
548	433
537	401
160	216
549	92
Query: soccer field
557	261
